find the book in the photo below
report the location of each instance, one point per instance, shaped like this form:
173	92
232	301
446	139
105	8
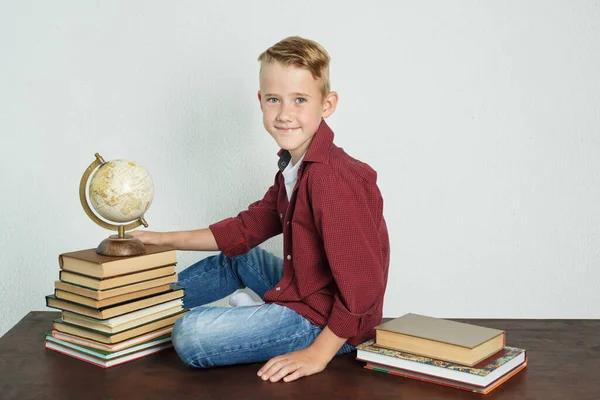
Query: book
90	323
446	382
115	310
109	355
89	263
482	377
128	317
113	347
97	294
116	281
123	298
106	363
107	338
441	339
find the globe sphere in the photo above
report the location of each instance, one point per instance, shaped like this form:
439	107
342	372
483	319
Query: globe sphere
121	191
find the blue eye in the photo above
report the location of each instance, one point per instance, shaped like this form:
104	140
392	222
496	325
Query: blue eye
300	100
272	100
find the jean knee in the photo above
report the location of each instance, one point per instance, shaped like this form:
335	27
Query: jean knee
184	337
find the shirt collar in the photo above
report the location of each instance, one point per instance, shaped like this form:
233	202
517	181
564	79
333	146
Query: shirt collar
284	159
318	151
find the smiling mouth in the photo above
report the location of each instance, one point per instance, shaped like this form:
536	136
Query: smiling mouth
285	129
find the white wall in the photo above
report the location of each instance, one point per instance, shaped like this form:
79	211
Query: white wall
482	119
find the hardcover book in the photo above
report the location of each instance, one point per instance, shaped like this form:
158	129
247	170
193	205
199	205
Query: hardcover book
110	301
115	310
116	281
126	318
117	346
107	338
116	291
109	355
85	322
445	382
88	262
481	376
103	362
440	338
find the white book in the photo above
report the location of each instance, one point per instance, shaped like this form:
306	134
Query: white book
90	323
121	319
435	368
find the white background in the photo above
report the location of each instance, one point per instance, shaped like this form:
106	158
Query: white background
481	118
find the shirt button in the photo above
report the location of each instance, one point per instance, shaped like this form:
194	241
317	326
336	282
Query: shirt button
287	223
277	288
289	257
281	215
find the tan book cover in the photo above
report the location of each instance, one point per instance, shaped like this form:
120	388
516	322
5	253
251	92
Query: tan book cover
88	262
109	293
117	281
90	323
113	311
105	338
125	318
110	301
439	338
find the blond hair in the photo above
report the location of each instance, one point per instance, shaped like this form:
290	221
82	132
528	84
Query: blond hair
302	53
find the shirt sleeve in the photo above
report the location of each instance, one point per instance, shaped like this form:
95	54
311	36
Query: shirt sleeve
238	235
348	214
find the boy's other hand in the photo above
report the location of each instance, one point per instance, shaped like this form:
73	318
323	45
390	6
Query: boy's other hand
292	366
146	237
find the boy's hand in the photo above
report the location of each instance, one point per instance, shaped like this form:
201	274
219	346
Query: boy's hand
305	362
147	237
293	365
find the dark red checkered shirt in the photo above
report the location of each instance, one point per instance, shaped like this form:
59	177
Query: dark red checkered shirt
335	240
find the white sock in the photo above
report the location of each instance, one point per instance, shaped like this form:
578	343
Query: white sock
243	299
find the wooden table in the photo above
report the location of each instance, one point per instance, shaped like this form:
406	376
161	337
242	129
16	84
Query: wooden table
564	363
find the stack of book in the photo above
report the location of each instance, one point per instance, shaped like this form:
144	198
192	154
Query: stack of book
443	352
115	309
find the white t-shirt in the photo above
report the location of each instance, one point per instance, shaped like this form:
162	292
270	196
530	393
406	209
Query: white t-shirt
290	176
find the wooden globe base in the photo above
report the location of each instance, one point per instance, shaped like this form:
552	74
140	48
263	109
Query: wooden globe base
115	246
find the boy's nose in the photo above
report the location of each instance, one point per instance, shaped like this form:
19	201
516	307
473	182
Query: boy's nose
285	113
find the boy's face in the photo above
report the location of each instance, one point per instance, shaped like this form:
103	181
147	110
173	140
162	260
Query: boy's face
293	105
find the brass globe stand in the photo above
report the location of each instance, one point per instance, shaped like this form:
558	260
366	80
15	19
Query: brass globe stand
120	245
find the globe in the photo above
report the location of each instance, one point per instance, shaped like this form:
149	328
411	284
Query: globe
121	191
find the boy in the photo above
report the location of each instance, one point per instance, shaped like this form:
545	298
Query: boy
326	295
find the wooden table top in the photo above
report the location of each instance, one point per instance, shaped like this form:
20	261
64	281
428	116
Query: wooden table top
564	363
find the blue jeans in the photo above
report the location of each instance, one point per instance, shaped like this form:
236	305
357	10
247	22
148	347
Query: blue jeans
215	336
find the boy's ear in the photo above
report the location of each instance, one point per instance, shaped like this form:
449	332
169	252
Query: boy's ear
329	104
260	99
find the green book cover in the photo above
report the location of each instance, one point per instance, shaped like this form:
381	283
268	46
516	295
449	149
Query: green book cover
106	355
